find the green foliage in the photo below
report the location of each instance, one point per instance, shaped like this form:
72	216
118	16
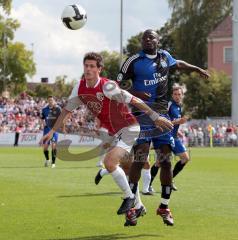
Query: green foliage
111	64
207	97
16	62
133	45
30	93
44	90
192	21
62	89
6	5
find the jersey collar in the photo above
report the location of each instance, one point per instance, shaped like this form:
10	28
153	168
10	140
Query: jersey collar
143	54
97	83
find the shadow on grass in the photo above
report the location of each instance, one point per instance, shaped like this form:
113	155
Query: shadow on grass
91	195
111	237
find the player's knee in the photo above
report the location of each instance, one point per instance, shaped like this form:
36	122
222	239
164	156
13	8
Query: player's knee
141	153
146	165
165	161
110	165
166	165
185	159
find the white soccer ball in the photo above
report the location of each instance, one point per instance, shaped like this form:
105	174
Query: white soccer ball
74	16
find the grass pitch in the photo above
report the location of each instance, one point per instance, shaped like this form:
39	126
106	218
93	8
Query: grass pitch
64	203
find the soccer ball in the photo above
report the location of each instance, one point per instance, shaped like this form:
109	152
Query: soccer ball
74	17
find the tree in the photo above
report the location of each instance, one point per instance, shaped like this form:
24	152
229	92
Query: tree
43	90
62	89
111	64
16	62
19	65
134	45
6	5
192	21
207	97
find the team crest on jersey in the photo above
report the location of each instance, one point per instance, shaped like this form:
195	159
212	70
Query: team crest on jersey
100	96
163	63
119	77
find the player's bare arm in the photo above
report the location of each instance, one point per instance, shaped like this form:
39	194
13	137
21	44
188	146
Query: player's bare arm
181	120
184	65
112	91
58	124
160	122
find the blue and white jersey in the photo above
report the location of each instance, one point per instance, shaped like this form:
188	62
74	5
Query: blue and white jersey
50	115
175	112
149	74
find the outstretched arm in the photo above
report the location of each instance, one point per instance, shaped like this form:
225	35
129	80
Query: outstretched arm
112	91
160	122
184	65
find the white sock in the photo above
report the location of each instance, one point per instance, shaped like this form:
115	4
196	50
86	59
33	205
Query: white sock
138	202
101	158
146	177
104	172
165	201
119	177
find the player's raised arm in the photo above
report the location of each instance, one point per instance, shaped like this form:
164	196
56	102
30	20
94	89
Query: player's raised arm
184	65
112	91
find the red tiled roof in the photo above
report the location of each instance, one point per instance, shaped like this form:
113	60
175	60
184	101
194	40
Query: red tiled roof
224	29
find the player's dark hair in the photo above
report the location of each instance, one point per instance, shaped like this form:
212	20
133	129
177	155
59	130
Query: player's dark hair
50	96
94	56
151	31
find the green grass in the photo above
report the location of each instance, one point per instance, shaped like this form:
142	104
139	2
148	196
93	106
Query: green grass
64	203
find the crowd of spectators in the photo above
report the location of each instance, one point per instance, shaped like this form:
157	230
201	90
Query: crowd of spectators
210	133
24	113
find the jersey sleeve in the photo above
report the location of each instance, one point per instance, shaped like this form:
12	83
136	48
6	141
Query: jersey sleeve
74	92
127	71
172	61
73	100
170	110
112	91
42	114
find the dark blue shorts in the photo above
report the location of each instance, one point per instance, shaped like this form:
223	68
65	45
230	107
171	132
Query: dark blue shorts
179	147
149	133
54	139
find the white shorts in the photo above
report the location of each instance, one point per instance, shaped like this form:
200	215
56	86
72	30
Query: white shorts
126	137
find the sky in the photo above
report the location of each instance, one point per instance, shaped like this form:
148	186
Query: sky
59	51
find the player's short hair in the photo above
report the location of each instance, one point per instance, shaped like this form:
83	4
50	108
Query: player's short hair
177	87
151	30
94	56
50	96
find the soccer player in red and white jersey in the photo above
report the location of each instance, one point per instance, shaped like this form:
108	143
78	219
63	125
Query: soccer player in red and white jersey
108	103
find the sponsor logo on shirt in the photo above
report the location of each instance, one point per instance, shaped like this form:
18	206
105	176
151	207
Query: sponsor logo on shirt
156	80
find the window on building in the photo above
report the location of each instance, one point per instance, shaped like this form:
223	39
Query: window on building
228	55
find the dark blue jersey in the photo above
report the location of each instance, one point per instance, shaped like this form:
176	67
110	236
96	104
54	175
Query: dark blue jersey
50	115
175	112
149	74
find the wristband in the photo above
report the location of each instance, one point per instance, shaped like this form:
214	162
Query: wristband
154	116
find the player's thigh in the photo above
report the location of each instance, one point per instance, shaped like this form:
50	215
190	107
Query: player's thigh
126	137
114	156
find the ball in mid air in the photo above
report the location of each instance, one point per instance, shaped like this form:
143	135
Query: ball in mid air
74	16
